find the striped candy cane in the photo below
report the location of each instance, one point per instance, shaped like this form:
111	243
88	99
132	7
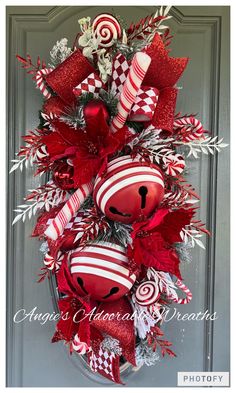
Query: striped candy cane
64	216
137	72
186	290
191	125
40	82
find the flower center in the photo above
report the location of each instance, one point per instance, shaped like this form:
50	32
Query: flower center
92	148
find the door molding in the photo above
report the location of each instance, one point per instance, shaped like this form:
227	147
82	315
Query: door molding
22	20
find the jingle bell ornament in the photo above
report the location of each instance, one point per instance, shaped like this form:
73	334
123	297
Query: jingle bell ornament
101	270
129	190
63	175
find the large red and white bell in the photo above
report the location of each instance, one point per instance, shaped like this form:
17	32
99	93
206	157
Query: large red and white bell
130	190
100	270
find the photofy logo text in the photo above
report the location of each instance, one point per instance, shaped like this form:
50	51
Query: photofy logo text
203	378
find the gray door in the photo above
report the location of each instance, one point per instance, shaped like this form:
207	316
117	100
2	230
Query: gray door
202	33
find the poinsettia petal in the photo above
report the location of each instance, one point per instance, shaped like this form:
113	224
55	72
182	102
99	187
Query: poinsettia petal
85	169
173	223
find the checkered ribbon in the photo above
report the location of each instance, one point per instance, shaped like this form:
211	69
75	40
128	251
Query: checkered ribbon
144	105
92	84
120	70
146	100
103	362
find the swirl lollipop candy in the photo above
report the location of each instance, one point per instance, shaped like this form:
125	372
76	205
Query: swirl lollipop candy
80	346
107	28
147	293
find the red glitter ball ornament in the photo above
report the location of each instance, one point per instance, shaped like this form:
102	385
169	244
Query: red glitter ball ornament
63	175
54	105
130	190
101	270
92	108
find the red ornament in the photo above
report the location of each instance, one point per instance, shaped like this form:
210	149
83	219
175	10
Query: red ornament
130	189
68	241
54	105
63	176
92	108
101	270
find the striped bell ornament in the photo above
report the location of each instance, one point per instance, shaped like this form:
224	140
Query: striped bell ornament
101	270
130	190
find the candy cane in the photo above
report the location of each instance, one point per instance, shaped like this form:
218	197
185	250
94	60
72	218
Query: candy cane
64	216
137	72
192	125
40	82
186	290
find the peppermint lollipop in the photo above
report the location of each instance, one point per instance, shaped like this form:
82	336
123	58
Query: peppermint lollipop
53	263
173	164
147	293
80	346
107	28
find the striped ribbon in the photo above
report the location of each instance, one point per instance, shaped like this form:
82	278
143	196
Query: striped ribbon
186	290
64	216
137	72
40	81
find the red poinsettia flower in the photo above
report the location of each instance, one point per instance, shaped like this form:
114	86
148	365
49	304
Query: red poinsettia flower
153	240
88	148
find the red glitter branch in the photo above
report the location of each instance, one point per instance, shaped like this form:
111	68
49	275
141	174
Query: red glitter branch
28	65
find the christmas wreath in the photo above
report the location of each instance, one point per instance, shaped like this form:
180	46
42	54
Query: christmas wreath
116	216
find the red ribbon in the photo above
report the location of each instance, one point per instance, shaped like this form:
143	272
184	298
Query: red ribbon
68	75
121	329
163	73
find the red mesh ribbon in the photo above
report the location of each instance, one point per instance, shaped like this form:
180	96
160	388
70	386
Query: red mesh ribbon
102	361
163	73
121	329
68	75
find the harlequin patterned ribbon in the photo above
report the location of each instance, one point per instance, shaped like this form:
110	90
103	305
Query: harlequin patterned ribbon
137	72
144	105
92	84
40	81
73	204
103	363
120	70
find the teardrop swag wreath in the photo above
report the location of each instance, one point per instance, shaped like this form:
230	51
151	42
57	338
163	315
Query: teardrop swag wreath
116	216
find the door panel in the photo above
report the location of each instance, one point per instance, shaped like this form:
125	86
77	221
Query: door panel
202	33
